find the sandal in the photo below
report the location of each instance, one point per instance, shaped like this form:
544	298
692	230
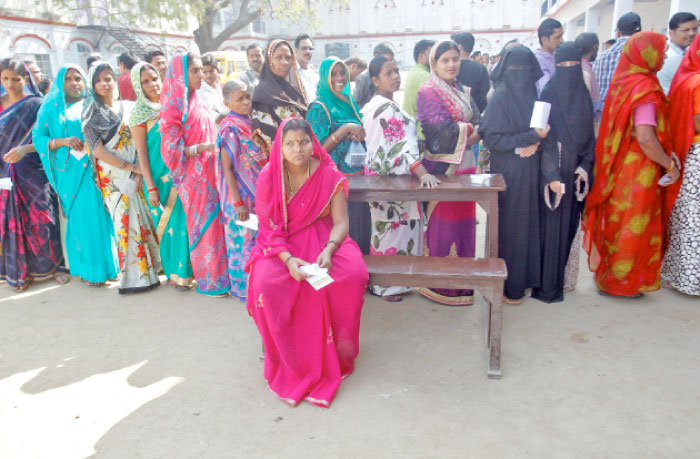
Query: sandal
636	296
178	287
511	301
21	288
96	284
393	298
61	278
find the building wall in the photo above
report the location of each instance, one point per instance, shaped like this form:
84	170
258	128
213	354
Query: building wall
53	43
362	24
654	14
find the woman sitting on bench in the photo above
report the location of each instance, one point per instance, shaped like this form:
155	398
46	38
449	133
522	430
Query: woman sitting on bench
311	337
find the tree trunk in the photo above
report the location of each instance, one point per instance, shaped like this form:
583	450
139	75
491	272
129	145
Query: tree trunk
204	35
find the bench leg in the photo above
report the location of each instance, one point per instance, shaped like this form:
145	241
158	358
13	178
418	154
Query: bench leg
494	323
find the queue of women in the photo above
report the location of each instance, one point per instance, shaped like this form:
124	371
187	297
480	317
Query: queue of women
155	187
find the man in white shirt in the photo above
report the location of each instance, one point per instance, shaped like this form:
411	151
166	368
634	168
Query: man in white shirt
251	77
304	52
210	92
682	29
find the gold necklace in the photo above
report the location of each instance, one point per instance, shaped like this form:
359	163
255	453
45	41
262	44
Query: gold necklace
289	178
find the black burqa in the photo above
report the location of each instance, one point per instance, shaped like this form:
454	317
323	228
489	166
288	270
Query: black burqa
569	147
505	127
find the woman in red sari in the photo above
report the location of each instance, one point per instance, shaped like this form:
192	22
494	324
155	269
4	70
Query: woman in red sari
624	221
311	337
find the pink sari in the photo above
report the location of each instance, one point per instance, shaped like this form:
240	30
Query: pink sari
183	123
311	337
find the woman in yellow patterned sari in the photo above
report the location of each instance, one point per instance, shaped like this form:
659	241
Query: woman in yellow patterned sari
624	221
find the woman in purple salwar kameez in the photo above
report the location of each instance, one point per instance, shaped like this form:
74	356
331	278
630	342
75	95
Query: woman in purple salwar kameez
448	117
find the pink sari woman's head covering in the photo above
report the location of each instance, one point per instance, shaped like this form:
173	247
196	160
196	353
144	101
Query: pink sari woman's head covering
280	218
184	120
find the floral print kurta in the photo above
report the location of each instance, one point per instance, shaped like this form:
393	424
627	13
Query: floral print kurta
137	246
392	149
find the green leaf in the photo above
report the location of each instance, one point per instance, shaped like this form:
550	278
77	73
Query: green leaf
396	149
375	241
383	123
390	213
409	248
401	252
380	226
380	110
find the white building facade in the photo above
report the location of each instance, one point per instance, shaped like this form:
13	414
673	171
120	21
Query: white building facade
53	40
357	27
600	16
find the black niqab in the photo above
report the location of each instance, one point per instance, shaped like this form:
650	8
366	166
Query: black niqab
572	109
510	108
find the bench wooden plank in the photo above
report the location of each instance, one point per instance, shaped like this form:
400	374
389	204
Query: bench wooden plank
486	275
467	187
480	188
434	272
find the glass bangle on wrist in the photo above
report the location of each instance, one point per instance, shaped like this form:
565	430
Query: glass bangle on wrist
238	203
288	258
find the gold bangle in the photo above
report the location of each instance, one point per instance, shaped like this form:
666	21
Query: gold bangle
672	166
334	139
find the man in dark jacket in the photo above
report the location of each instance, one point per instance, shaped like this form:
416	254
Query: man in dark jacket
472	73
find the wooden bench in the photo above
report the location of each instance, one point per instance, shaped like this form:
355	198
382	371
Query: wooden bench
486	275
480	188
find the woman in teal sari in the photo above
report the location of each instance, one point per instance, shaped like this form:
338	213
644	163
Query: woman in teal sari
337	123
163	200
58	137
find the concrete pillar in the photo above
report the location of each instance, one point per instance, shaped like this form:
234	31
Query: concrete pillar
689	6
621	7
570	33
592	20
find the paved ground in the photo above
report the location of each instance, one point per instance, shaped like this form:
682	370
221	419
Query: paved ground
87	373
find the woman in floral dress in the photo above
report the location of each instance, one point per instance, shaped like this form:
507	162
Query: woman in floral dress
392	145
105	121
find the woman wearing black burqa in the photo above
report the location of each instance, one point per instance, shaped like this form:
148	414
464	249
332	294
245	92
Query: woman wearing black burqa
568	154
506	132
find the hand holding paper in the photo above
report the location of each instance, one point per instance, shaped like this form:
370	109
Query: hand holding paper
318	277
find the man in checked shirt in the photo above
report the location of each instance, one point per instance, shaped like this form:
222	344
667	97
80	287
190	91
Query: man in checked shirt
604	67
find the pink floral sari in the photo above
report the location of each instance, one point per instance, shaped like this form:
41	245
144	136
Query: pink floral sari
184	123
311	337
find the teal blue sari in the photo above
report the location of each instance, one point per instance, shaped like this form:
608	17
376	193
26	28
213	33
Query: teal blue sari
89	237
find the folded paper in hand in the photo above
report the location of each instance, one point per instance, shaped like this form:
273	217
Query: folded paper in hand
540	115
78	154
5	183
251	223
319	277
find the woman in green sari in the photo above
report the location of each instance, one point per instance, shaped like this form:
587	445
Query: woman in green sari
163	200
58	137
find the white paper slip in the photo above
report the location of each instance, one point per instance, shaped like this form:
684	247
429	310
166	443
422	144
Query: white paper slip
518	150
251	223
319	277
663	181
5	183
78	154
540	115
